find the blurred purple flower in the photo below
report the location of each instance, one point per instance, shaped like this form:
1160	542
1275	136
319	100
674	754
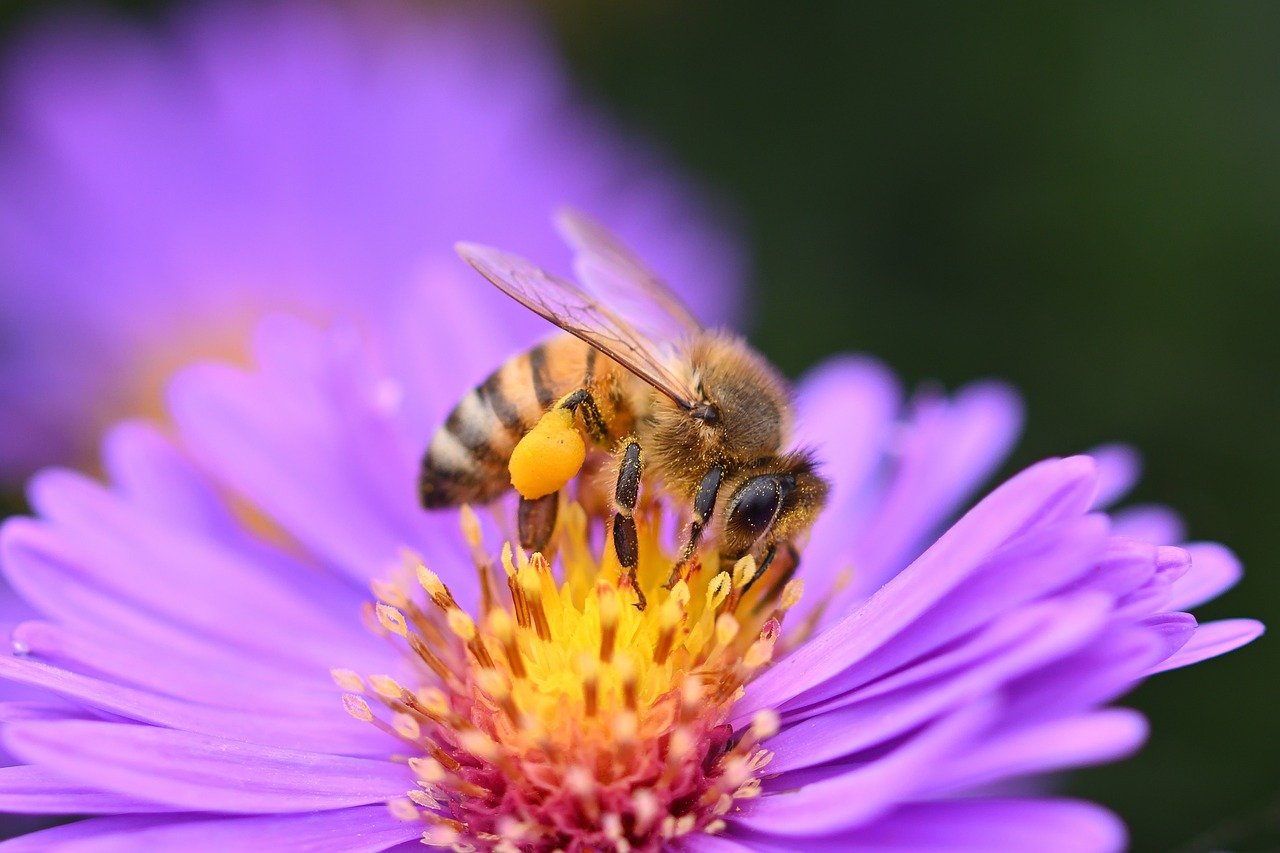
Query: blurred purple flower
198	658
163	188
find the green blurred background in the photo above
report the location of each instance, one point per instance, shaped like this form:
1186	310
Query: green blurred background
1081	199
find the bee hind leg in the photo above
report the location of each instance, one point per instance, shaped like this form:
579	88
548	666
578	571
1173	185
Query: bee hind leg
536	521
626	541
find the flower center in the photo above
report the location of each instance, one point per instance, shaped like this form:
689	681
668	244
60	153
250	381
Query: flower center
560	716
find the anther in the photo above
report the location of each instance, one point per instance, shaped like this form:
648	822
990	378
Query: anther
357	707
610	612
435	588
668	620
406	725
388	592
589	669
503	630
531	586
392	620
402	808
347	680
626	669
386	687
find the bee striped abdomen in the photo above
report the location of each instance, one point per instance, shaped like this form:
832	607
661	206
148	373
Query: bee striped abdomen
466	461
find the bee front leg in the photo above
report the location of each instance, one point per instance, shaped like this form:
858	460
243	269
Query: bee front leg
769	554
704	504
626	541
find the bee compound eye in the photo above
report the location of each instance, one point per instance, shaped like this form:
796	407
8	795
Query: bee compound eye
755	504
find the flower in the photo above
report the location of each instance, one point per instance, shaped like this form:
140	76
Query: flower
258	637
163	188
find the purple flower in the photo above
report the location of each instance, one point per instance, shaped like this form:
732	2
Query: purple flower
162	190
224	677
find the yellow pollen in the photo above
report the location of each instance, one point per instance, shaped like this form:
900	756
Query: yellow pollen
558	683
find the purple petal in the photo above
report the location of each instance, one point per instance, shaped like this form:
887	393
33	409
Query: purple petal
1020	572
193	771
1210	640
212	682
985	826
1078	741
1158	525
135	576
1039	496
857	796
359	829
326	728
1040	634
37	790
1214	570
948	447
1119	467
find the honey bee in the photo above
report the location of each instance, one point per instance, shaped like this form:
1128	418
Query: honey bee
698	412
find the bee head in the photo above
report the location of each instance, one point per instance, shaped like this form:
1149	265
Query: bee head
778	499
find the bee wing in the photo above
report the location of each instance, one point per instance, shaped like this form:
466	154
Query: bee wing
622	281
581	314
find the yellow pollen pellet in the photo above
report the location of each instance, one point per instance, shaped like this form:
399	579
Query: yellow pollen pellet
357	707
347	680
392	620
386	686
549	455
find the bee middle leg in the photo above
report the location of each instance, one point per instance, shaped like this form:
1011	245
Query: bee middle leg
626	541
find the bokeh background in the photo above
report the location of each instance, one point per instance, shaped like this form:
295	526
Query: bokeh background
1080	199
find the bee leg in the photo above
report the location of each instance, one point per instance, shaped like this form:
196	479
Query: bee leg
769	554
581	400
536	521
626	542
791	562
704	504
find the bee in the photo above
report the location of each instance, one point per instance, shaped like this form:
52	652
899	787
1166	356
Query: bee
697	412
